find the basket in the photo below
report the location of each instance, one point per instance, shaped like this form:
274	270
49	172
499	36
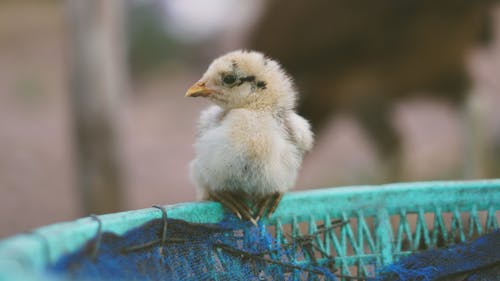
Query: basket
355	229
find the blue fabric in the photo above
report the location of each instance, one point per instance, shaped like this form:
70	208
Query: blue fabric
237	250
478	260
230	250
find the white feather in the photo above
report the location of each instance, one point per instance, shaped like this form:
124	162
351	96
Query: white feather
301	130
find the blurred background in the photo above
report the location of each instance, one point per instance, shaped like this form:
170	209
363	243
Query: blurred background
93	117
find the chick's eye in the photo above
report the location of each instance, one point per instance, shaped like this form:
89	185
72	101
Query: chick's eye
229	79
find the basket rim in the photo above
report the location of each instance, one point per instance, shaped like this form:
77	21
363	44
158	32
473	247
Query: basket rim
31	252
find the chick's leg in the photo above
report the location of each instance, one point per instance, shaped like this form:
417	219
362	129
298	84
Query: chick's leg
268	204
262	205
234	203
276	198
227	203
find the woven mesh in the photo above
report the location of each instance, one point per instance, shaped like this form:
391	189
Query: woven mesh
478	260
229	250
350	245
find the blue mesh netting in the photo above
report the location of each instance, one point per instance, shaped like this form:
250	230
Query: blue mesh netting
229	250
478	260
237	250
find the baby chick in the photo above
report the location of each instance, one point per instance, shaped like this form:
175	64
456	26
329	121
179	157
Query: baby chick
250	143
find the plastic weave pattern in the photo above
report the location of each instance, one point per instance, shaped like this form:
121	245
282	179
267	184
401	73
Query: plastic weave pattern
339	233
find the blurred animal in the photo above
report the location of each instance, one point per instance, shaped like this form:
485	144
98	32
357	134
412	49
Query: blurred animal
250	144
362	57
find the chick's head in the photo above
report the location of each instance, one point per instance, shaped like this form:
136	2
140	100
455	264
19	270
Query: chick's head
246	79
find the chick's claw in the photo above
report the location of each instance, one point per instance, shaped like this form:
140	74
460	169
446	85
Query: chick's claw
243	207
262	205
227	204
234	203
274	204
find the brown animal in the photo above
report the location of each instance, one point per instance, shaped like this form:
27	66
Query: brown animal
363	56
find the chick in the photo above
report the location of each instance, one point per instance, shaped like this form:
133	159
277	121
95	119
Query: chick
250	143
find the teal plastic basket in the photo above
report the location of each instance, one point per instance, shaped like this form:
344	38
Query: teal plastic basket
386	222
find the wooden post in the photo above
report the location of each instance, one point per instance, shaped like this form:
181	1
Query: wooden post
97	73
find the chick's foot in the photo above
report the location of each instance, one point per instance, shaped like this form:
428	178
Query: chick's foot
235	202
246	206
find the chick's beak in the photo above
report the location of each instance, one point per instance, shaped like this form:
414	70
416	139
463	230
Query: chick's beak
199	90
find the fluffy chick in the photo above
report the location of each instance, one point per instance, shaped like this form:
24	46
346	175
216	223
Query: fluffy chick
250	144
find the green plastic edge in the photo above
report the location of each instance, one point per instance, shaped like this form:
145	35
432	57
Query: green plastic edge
28	252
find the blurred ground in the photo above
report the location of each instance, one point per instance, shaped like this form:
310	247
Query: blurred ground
157	126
